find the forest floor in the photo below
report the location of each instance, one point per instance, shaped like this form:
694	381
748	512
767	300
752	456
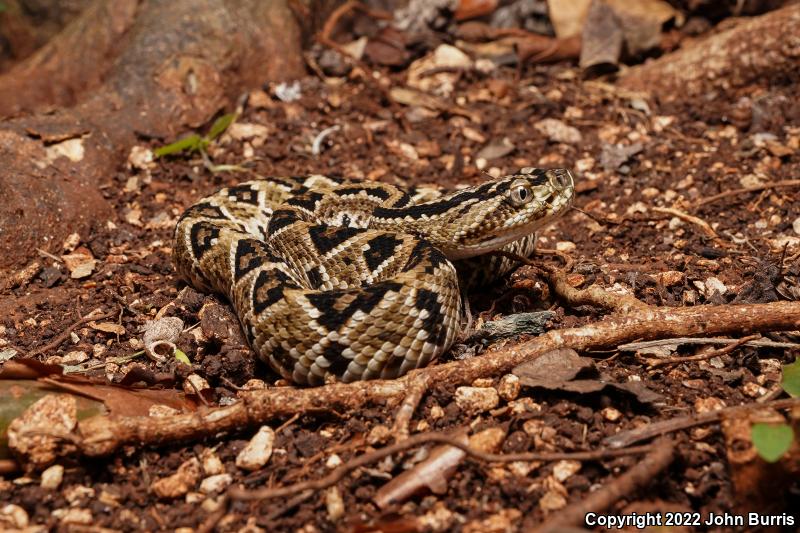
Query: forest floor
640	170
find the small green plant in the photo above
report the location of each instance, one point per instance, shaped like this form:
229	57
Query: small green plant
194	142
791	379
181	356
3	7
771	441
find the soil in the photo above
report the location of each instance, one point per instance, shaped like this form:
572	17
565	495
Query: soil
687	152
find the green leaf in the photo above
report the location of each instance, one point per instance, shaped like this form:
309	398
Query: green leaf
182	357
3	7
791	378
220	125
192	143
771	440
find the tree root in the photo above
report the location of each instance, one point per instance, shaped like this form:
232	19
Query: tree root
101	435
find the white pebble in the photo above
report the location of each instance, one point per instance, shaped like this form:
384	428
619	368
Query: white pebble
258	450
52	477
477	399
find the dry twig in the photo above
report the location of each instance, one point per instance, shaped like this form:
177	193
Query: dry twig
64	335
417	440
416	389
304	489
594	295
702	356
735	192
699	222
658	459
635	346
626	438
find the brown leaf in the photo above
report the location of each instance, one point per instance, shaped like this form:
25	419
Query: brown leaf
557	370
108	327
568	16
553	367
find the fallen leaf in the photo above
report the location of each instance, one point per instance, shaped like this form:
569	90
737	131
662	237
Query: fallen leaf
553	367
771	440
108	327
567	16
388	48
558	370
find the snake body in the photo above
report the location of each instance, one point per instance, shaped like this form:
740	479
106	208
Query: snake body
356	280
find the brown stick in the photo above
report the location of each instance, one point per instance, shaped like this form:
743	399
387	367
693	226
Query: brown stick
699	222
626	438
416	388
418	440
638	476
61	337
594	295
102	435
703	356
755	188
305	489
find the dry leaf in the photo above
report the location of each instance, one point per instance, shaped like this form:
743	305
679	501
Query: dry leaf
108	327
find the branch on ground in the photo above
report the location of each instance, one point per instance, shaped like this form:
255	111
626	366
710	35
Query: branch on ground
103	435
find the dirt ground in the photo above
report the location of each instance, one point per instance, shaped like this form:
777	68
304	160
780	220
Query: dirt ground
630	156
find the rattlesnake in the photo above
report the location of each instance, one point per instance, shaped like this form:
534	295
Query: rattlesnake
354	280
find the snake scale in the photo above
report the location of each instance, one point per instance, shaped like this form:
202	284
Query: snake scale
357	280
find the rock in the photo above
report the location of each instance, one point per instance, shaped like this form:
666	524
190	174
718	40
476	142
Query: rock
216	483
556	131
334	503
212	464
52	477
496	149
258	451
611	414
13	516
178	483
509	387
476	399
564	470
441	83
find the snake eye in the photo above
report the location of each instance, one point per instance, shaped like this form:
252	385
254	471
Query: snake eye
521	193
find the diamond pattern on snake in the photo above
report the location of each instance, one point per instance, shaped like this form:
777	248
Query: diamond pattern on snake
358	280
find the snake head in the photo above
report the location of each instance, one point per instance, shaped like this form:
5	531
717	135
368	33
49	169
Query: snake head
486	217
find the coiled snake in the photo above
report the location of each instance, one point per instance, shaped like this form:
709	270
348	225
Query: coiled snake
356	280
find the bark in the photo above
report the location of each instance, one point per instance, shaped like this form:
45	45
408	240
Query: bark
765	47
158	67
